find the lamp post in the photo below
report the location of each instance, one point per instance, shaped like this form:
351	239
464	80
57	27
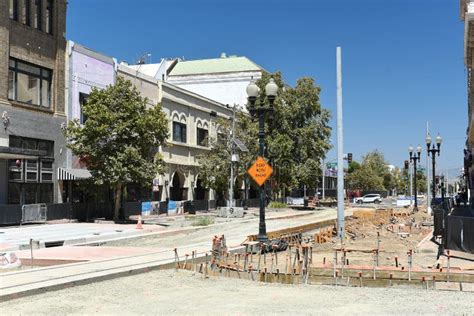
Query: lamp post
432	150
259	112
415	157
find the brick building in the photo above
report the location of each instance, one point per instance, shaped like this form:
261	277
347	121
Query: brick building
32	98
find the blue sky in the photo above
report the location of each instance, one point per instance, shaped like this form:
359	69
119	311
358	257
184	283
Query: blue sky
402	59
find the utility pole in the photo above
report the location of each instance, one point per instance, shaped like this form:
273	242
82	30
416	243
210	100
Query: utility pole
340	149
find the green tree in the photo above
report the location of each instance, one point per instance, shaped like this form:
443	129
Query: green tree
297	137
353	166
120	137
214	165
373	174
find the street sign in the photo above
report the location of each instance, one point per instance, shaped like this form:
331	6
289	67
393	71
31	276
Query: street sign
260	171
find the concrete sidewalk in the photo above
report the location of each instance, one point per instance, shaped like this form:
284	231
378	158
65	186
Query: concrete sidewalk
29	282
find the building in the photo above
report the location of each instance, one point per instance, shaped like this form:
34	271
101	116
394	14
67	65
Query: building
85	70
191	122
32	146
223	79
467	15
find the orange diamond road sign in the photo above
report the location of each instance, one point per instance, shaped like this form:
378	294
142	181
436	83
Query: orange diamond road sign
260	171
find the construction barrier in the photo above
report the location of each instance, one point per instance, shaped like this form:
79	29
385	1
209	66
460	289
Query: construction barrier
33	213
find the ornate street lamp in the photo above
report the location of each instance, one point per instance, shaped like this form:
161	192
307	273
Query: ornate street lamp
415	157
259	112
432	150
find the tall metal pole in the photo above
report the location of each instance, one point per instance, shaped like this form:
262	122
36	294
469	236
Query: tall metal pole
428	198
324	179
433	160
414	185
410	168
231	189
340	149
262	228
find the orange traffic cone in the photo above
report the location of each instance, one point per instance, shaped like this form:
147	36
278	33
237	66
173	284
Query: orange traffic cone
139	223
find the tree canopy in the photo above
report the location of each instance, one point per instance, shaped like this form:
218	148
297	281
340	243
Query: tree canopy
297	138
119	140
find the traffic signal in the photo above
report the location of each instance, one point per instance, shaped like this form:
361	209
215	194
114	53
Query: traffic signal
406	164
349	158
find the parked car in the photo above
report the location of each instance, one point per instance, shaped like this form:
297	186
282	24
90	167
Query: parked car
369	198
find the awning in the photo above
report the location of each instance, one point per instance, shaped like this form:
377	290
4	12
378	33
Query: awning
73	174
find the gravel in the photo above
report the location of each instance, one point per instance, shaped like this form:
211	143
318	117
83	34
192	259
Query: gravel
170	292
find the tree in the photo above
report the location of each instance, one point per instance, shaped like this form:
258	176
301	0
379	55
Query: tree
119	140
297	138
372	174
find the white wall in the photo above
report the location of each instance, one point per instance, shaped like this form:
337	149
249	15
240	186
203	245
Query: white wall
227	88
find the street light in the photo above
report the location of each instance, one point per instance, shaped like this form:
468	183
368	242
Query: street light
432	150
415	157
259	111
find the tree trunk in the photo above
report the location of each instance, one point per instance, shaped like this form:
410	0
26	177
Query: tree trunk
118	196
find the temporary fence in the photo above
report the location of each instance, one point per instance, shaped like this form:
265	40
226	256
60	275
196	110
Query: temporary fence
32	213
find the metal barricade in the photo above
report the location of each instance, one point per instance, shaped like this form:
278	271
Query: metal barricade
33	213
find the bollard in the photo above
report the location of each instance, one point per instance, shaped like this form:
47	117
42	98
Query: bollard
335	277
396	262
324	261
390	280
423	281
434	282
360	279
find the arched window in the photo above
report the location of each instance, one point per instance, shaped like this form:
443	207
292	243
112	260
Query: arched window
179	128
202	133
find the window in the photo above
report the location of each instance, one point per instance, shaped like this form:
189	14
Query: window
32	143
13	9
25	12
82	100
202	136
29	84
49	16
37	11
179	132
31	180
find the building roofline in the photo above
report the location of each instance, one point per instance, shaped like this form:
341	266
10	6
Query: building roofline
91	53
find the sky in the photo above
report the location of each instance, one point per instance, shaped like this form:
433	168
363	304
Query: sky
402	59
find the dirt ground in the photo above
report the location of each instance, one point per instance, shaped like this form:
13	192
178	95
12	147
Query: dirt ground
182	293
398	234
